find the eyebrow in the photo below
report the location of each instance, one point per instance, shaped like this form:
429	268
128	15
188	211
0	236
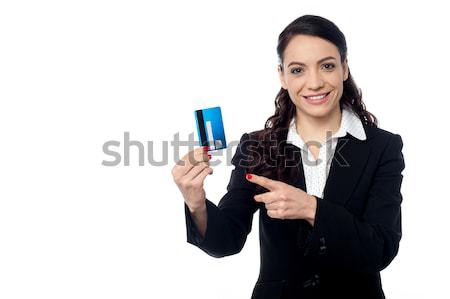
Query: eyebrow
321	60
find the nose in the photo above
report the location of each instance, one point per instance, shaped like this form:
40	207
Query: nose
315	80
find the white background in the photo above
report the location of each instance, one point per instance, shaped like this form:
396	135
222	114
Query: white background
75	74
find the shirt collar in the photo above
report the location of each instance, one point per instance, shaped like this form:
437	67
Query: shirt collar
350	123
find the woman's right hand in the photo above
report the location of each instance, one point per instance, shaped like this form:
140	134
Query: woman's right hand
189	174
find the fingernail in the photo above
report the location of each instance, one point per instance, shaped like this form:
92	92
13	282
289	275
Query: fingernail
249	176
209	156
205	148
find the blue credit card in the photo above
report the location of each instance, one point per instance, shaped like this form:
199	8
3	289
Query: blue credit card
210	128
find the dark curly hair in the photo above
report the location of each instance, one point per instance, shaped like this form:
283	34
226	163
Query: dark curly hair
269	156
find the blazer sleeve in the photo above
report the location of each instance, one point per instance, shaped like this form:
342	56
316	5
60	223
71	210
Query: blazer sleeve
370	243
228	223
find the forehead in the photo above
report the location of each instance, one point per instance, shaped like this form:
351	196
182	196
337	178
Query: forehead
309	49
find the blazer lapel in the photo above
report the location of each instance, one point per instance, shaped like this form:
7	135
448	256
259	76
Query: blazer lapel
347	166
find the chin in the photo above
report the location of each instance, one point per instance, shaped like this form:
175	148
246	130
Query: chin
320	111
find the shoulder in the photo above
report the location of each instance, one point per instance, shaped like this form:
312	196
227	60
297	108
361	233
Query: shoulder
377	132
245	147
250	149
250	138
380	136
255	135
387	144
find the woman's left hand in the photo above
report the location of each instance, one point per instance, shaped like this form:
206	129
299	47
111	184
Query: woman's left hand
284	201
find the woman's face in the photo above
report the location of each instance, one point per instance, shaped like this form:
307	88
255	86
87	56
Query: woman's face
312	66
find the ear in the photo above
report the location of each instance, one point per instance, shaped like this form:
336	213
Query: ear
281	76
345	67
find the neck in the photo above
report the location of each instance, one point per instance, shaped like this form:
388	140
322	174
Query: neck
316	128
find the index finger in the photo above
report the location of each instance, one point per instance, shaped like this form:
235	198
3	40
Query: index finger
194	157
262	181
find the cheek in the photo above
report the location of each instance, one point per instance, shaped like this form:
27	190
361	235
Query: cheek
295	85
295	89
335	81
339	85
337	78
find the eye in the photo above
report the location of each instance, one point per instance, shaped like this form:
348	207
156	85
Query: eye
296	70
330	66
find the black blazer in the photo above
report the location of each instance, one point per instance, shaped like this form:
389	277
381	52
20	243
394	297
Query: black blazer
356	232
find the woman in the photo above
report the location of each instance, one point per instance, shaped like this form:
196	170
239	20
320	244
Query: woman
324	177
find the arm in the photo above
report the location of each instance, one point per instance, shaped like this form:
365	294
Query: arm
199	216
369	243
228	223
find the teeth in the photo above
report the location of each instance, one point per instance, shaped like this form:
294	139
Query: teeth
316	97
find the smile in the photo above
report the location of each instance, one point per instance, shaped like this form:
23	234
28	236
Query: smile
319	99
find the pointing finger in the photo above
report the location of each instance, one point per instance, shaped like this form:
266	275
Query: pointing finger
263	181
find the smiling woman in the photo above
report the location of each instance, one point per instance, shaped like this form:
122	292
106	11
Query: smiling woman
329	227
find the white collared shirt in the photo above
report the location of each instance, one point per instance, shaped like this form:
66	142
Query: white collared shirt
316	171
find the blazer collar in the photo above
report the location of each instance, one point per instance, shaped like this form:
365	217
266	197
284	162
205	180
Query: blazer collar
350	123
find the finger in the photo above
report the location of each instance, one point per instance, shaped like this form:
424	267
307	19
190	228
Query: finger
276	205
267	197
195	170
276	214
263	181
189	160
202	175
196	156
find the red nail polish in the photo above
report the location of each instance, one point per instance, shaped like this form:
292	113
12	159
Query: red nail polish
249	176
209	156
205	148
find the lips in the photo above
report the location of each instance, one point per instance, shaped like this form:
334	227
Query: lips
318	100
317	97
